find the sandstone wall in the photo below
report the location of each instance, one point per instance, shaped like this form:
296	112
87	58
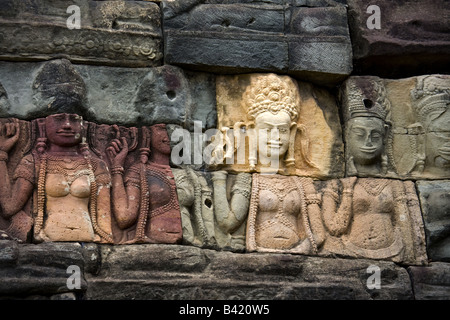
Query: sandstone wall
358	206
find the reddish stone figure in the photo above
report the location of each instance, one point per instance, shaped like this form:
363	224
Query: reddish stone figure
70	187
145	203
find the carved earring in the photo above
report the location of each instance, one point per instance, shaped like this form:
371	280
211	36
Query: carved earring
290	157
416	141
41	145
144	152
252	146
84	147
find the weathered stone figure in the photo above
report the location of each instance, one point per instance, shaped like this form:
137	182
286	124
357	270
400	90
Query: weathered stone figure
367	116
374	218
214	207
284	212
70	185
431	99
145	203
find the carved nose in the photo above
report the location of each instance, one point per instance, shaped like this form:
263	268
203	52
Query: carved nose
369	141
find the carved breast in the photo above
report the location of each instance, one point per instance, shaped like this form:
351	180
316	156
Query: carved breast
277	219
58	186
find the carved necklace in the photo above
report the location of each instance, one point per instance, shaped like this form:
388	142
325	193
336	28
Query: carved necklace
71	169
374	187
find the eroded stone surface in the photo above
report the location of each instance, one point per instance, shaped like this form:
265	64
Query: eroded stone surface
431	282
412	38
285	35
435	203
186	273
214	208
120	33
111	95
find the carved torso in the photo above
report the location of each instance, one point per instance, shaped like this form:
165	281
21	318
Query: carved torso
373	209
163	221
277	222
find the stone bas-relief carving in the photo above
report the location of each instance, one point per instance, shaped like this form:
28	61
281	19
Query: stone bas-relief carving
273	124
373	218
435	203
118	33
69	185
284	215
367	118
58	181
431	100
410	123
144	199
214	207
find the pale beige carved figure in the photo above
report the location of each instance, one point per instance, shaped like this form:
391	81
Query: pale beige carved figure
231	203
266	131
367	116
431	100
373	218
284	215
196	207
213	213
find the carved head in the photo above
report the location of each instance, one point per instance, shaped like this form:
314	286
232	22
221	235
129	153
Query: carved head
64	129
431	102
272	112
367	123
160	141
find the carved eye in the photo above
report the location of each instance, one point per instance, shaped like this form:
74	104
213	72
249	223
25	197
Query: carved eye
358	132
376	135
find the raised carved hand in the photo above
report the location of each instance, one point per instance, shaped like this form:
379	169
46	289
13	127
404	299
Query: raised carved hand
9	134
117	151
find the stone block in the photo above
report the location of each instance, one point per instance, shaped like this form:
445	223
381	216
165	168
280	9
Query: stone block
397	128
190	273
111	95
311	143
41	269
117	33
435	203
309	41
412	38
431	282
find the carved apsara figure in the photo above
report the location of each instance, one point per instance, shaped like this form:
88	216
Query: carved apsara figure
214	207
431	99
70	186
368	135
144	198
231	203
284	213
374	218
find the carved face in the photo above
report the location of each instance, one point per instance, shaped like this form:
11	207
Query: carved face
273	132
437	137
365	139
160	139
64	129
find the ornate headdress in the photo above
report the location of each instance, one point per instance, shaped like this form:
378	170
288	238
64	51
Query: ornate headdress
366	97
431	93
273	93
